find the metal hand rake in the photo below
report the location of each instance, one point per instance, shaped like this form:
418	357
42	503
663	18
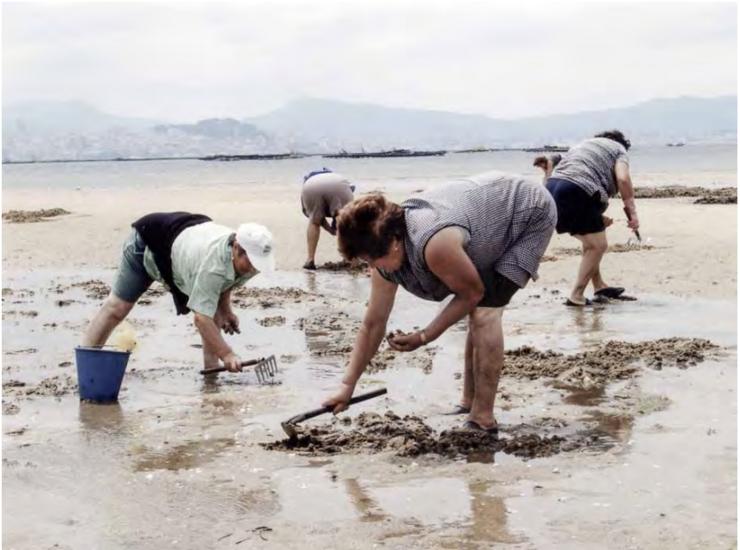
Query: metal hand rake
265	368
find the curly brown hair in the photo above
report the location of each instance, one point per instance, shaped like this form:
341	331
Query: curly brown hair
367	226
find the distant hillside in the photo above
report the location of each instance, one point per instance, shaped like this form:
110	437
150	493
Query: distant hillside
332	124
75	130
65	117
218	128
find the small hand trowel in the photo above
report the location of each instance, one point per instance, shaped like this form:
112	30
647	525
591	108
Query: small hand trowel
289	426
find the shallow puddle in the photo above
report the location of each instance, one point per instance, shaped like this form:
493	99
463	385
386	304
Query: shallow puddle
181	455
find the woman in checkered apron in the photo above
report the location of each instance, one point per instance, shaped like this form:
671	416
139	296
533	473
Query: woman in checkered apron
480	239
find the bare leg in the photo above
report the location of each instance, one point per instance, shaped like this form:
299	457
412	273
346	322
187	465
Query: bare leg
597	280
488	360
468	381
114	311
312	239
210	357
594	247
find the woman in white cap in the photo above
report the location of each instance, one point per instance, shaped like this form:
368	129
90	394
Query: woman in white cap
200	262
324	193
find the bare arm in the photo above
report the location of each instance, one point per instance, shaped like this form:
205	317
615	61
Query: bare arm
382	296
212	338
328	228
544	164
224	301
627	192
447	259
225	317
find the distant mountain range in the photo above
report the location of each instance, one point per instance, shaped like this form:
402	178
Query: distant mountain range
75	130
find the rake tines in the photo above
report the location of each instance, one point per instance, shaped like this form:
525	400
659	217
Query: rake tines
266	369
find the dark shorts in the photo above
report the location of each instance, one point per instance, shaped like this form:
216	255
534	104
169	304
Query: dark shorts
578	212
499	289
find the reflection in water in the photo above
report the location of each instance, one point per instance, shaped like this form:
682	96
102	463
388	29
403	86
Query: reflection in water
585	397
589	319
481	457
488	516
311	282
185	456
103	418
615	426
366	507
437	502
311	495
432	502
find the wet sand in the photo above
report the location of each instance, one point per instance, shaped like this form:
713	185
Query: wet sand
617	422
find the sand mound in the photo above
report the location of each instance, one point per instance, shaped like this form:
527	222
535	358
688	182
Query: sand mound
410	436
54	386
613	360
723	195
613	248
247	297
346	267
276	321
32	216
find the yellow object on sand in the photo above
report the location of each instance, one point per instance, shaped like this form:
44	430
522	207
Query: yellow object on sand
124	337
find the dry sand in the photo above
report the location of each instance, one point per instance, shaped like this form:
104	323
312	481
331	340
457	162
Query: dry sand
694	246
618	423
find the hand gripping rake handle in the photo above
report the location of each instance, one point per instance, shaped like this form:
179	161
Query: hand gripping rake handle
223	369
288	424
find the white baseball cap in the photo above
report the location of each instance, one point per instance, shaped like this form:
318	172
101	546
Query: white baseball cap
256	240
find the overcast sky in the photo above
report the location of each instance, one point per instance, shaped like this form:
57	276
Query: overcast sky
186	62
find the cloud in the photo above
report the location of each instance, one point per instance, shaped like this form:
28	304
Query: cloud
185	61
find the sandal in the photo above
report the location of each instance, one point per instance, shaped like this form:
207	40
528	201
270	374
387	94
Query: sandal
571	303
457	409
610	292
474	426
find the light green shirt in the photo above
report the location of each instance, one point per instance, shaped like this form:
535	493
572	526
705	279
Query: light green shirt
202	266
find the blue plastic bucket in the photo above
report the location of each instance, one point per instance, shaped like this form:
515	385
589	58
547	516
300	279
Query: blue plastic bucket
100	372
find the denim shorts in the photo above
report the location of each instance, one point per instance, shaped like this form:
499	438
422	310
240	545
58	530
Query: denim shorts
132	280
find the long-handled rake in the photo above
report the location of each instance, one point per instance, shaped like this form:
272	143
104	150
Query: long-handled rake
265	368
